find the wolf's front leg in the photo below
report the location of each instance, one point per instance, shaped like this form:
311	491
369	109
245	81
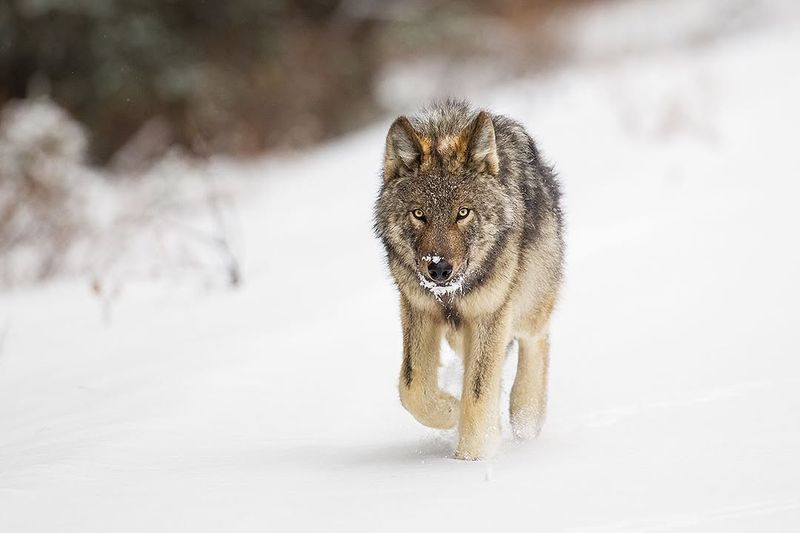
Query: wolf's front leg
419	384
479	431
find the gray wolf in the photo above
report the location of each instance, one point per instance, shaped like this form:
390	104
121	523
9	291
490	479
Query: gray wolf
471	222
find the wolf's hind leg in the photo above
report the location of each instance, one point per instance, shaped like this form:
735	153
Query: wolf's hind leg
419	384
529	392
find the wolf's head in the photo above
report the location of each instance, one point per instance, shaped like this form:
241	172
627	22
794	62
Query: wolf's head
442	207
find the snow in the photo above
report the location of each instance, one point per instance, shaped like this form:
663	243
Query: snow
610	28
438	290
674	400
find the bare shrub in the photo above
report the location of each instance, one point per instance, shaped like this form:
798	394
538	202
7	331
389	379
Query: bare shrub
174	221
42	150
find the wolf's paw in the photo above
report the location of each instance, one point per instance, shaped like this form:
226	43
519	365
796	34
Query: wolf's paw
461	455
526	422
477	447
438	410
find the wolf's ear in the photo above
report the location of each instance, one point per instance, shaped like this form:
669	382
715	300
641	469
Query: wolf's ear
482	151
403	148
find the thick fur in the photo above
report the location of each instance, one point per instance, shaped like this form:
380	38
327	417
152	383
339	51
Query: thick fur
506	255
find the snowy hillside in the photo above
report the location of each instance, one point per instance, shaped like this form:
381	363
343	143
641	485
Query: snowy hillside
674	402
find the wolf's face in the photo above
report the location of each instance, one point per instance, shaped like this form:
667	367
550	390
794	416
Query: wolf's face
442	209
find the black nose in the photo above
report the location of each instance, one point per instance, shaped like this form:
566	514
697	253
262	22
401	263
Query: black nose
440	270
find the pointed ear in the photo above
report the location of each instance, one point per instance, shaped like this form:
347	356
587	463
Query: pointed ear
482	151
403	148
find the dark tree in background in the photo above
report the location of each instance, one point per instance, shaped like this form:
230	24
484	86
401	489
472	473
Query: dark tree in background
217	76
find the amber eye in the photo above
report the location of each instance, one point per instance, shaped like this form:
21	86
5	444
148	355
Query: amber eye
463	213
418	214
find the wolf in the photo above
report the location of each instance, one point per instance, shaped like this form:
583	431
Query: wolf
470	219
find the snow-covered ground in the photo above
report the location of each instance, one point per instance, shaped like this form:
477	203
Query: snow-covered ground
674	402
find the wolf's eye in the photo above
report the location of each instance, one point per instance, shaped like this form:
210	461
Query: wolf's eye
418	214
462	213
